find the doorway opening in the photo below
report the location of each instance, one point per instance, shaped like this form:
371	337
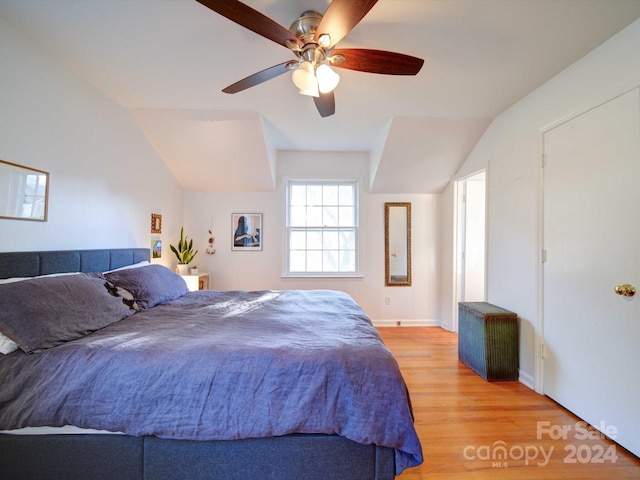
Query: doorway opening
470	222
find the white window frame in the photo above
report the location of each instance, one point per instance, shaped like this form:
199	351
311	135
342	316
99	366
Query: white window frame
356	227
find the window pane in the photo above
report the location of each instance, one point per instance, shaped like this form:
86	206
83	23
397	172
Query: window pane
330	216
315	240
347	260
298	195
297	261
298	216
330	263
347	240
347	218
297	240
314	261
314	195
331	240
314	217
346	195
330	195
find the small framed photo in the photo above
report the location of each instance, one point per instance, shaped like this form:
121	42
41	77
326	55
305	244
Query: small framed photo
156	248
247	231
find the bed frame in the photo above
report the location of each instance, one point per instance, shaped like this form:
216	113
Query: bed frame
96	456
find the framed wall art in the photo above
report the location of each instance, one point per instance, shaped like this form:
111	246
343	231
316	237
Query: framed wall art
24	192
156	247
156	223
246	231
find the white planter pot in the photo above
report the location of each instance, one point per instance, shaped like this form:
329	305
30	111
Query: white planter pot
183	269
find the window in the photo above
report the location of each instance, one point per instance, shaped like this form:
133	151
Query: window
322	228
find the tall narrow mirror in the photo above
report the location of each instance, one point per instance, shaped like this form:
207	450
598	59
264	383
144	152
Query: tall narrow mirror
397	244
23	192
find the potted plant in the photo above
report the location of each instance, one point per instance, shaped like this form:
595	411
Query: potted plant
184	252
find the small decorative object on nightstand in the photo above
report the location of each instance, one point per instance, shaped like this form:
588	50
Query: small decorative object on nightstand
197	282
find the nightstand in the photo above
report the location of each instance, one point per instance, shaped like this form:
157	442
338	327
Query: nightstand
197	282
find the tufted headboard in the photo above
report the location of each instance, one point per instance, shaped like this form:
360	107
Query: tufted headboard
31	264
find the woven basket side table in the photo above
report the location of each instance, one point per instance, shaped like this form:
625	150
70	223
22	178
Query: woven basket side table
488	340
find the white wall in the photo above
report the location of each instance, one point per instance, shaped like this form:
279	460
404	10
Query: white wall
264	269
106	179
511	150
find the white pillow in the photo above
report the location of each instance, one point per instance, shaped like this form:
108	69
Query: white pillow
7	345
11	280
135	265
19	279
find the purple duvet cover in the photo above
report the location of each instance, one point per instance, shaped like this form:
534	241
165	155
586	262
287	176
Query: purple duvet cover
219	366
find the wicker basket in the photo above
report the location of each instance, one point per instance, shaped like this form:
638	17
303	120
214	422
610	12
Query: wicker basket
488	340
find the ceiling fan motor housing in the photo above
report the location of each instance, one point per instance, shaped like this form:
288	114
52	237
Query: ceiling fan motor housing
306	25
310	50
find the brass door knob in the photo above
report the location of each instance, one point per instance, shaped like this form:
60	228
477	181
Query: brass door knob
625	290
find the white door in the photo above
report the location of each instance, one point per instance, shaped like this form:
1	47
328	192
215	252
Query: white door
592	240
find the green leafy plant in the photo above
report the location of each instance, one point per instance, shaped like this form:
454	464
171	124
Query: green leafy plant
184	252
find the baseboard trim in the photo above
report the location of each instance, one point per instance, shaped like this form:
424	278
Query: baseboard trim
526	379
406	323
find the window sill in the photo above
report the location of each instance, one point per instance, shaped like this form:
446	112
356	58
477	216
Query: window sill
322	275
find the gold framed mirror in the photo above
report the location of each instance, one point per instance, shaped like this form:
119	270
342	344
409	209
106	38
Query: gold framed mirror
397	244
24	192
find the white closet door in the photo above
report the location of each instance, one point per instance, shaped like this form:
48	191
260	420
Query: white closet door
592	239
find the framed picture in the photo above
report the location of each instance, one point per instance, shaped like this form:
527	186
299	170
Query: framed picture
247	231
156	223
156	248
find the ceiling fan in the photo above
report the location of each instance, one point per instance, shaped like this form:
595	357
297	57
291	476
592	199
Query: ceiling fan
312	39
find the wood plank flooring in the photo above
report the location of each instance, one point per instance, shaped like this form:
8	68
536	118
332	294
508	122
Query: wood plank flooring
473	430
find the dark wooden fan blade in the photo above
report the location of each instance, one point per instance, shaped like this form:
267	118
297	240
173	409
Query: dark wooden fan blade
326	104
249	18
342	16
378	61
256	78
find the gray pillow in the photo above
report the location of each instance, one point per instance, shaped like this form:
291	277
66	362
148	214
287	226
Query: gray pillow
145	287
44	312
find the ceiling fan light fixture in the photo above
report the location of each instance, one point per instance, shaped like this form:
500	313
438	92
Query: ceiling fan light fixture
311	92
305	79
327	78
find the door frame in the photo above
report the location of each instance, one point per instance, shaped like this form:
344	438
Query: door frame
459	226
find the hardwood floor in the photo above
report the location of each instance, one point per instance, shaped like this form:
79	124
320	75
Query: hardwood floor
463	421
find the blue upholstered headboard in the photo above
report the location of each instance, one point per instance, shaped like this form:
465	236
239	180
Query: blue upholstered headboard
31	264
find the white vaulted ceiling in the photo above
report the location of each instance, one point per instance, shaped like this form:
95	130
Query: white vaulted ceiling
166	61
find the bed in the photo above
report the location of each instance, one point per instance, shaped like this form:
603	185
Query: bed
145	380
